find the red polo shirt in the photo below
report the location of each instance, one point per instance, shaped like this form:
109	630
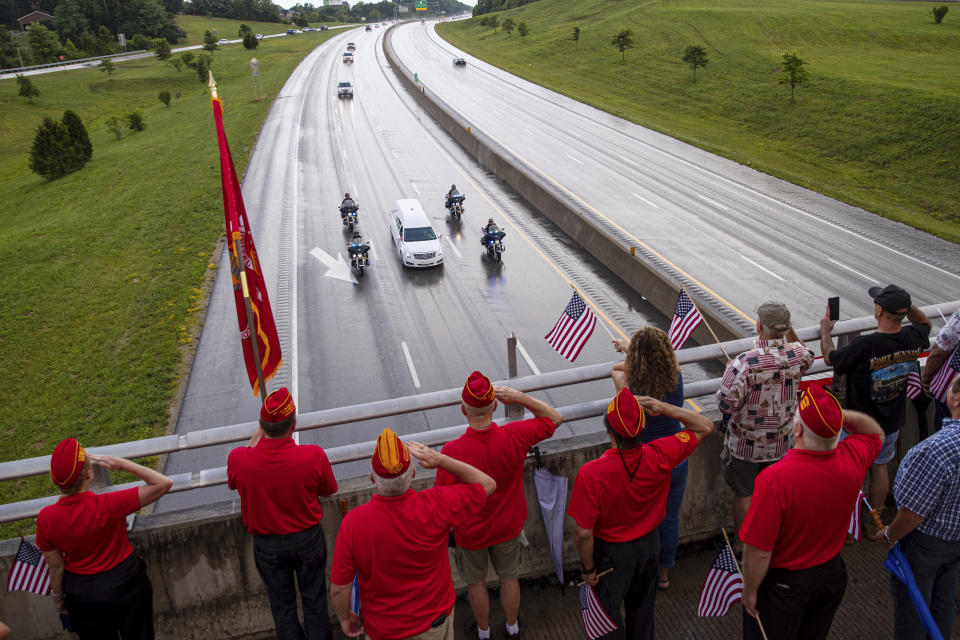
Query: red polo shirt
499	452
617	508
89	529
801	506
280	483
398	546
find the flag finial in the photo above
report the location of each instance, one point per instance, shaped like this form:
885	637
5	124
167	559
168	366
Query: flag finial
213	85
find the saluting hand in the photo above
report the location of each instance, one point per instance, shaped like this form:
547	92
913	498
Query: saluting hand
110	462
427	457
651	406
509	395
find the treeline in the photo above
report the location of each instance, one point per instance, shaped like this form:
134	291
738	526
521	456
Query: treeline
260	10
362	11
489	6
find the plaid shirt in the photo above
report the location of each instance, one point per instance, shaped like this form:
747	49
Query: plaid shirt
759	393
928	482
949	336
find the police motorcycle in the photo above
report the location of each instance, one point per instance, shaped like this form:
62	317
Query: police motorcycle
492	240
455	205
358	250
349	213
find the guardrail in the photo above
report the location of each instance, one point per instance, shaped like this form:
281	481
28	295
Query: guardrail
397	406
68	63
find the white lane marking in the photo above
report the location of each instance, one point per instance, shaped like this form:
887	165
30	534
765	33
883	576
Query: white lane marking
355	190
762	268
528	131
526	356
453	246
713	202
395	156
373	251
413	371
415	188
635	195
575	160
843	266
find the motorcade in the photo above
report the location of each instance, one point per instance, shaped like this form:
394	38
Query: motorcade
455	205
290	32
323	27
359	260
345	90
351	218
492	241
414	236
459	62
348	58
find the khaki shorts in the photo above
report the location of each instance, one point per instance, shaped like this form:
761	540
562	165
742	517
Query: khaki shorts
505	557
740	474
443	632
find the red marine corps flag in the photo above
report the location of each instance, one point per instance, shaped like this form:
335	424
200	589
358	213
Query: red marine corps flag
261	354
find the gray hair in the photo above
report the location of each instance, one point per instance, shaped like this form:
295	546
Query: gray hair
390	487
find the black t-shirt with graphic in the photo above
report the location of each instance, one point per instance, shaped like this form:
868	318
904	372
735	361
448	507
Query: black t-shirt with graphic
879	365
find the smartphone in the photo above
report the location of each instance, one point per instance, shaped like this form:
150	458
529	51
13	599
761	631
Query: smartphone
834	305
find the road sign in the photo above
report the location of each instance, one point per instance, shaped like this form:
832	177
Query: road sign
400	7
421	5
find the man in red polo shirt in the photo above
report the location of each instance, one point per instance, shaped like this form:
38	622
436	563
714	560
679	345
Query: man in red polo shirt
396	545
618	502
495	530
793	576
280	483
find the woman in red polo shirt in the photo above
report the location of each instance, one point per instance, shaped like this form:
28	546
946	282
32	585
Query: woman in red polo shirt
651	369
94	574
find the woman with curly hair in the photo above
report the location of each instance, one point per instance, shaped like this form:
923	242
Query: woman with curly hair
651	369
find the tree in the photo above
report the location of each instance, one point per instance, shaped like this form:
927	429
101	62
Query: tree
493	21
209	41
107	65
523	30
104	44
161	48
202	65
795	67
508	26
70	51
44	42
301	21
165	98
939	13
116	124
250	41
27	88
623	41
49	155
696	57
70	20
187	57
135	120
78	141
576	37
244	29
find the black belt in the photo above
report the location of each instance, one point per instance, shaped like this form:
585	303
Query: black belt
439	621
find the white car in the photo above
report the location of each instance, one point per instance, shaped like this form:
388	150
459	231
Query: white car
345	90
223	41
414	236
259	36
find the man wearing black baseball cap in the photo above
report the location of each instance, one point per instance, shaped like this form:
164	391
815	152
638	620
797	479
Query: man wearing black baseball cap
878	365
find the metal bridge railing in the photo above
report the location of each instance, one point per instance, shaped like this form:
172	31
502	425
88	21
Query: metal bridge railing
398	406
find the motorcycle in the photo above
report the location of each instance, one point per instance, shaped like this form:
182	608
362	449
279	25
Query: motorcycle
350	217
359	260
455	206
493	243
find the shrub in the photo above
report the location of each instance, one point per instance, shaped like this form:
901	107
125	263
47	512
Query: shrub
188	58
244	29
165	98
116	125
161	48
27	89
939	12
203	67
250	41
49	155
107	65
141	42
135	120
209	41
78	141
176	63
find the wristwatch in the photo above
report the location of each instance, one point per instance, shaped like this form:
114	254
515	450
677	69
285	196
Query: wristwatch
584	570
886	538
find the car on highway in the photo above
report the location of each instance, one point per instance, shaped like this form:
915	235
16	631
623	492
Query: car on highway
308	29
290	32
369	28
351	46
223	41
459	62
345	90
414	236
323	27
258	36
348	58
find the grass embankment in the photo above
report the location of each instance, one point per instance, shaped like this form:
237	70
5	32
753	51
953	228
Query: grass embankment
101	272
875	126
223	28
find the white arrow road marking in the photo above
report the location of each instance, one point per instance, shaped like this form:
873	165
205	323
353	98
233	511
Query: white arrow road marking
336	267
413	370
526	356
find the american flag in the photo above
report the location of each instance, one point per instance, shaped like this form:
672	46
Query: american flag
30	571
686	318
854	528
940	383
723	586
595	618
914	388
355	594
573	329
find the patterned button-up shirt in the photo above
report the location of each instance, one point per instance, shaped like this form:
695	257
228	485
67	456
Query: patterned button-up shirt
759	393
949	336
928	482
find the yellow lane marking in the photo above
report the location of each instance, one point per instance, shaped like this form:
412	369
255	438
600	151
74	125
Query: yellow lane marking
694	405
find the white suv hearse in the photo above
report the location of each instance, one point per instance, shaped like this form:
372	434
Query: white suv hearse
417	241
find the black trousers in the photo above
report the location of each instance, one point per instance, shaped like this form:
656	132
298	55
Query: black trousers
798	605
118	601
633	583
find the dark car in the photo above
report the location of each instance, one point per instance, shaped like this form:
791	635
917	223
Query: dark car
369	28
290	32
323	27
459	62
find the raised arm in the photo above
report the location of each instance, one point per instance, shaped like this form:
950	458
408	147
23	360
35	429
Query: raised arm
856	422
468	474
696	423
916	316
538	408
156	486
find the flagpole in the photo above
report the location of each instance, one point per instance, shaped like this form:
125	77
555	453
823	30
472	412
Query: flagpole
737	564
599	575
877	520
585	299
709	328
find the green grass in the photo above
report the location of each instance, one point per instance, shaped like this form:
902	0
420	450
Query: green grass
103	270
876	125
222	28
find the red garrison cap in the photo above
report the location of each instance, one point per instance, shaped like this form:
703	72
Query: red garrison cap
625	415
278	406
391	457
66	463
820	411
478	390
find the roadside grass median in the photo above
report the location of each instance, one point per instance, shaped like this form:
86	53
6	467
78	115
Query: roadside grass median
103	272
874	126
223	28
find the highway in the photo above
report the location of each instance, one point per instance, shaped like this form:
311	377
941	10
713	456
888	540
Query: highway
396	331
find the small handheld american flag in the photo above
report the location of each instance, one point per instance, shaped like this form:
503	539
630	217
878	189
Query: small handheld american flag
595	619
914	388
573	329
30	571
940	382
854	528
723	586
686	318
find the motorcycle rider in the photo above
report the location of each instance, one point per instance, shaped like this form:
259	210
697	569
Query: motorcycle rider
347	202
453	192
490	229
357	245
